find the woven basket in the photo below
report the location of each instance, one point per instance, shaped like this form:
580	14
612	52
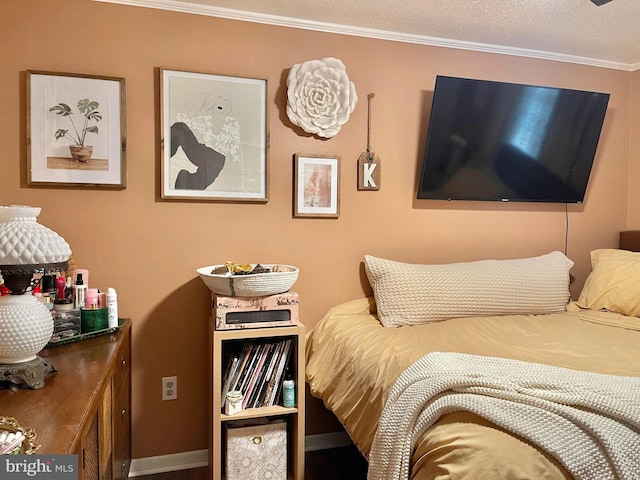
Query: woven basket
252	285
28	447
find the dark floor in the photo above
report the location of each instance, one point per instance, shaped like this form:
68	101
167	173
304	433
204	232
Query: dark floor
335	464
345	463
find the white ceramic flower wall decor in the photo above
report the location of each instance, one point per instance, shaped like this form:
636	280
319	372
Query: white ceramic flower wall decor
320	96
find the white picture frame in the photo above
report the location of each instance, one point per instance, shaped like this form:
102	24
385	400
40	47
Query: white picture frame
214	137
316	186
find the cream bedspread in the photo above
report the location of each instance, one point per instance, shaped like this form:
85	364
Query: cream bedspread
352	363
589	421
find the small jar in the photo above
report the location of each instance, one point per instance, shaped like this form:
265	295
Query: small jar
233	403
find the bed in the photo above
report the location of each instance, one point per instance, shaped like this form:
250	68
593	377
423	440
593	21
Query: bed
358	355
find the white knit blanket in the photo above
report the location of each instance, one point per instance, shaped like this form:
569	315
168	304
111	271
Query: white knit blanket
589	422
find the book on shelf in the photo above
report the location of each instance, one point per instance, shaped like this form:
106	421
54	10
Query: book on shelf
263	388
284	360
242	367
248	371
257	371
236	358
254	394
261	355
229	376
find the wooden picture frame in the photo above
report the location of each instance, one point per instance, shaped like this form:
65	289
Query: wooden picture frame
316	192
214	137
75	130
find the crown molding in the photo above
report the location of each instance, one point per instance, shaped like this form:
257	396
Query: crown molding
245	16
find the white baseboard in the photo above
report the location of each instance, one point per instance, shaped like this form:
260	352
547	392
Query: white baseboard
200	458
169	463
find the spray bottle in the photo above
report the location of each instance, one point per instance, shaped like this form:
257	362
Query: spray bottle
79	292
289	390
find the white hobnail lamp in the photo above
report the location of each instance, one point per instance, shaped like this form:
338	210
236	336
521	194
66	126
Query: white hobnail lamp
26	325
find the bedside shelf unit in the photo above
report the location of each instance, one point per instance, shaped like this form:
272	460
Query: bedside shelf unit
293	416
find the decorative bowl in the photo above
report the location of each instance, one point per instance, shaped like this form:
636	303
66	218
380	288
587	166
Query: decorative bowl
250	285
29	445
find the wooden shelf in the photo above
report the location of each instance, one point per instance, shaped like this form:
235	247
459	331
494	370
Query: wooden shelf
293	416
259	413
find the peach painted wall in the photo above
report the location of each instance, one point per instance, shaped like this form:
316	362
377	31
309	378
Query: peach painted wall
149	249
634	148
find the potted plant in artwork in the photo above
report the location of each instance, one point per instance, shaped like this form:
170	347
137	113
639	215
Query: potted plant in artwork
89	110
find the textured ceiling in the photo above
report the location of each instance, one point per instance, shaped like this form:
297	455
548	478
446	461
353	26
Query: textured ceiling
570	30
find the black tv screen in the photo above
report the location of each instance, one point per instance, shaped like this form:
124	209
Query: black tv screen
502	141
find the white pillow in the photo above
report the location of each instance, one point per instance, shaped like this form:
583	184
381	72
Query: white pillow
614	282
410	294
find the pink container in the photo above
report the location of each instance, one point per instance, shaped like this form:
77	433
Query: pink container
91	298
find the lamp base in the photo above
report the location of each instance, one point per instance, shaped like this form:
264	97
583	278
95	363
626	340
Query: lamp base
31	373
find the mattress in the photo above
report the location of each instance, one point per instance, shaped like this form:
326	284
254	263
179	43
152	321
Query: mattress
353	361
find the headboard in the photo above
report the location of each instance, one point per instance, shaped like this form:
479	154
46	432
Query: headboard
630	240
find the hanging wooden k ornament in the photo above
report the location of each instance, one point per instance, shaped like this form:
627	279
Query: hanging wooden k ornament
368	162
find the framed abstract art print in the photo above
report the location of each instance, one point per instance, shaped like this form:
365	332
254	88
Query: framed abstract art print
214	137
316	186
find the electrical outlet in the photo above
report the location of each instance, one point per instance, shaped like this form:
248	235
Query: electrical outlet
169	388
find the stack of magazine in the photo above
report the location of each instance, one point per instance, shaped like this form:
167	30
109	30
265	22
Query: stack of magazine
257	370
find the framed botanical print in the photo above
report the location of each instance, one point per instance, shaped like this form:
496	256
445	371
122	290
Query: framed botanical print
75	130
316	186
214	137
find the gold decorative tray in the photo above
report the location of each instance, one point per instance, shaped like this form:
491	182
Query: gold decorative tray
29	445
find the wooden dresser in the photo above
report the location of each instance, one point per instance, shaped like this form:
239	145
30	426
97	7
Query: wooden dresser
85	407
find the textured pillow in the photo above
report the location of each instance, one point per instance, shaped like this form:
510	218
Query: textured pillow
410	294
614	282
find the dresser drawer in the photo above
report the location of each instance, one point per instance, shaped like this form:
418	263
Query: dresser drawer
121	413
122	368
122	434
122	456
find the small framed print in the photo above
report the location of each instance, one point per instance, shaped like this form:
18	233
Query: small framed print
75	130
316	186
214	137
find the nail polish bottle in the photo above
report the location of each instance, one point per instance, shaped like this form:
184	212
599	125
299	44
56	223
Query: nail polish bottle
60	287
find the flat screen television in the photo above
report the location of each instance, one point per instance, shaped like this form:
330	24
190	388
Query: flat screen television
500	141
